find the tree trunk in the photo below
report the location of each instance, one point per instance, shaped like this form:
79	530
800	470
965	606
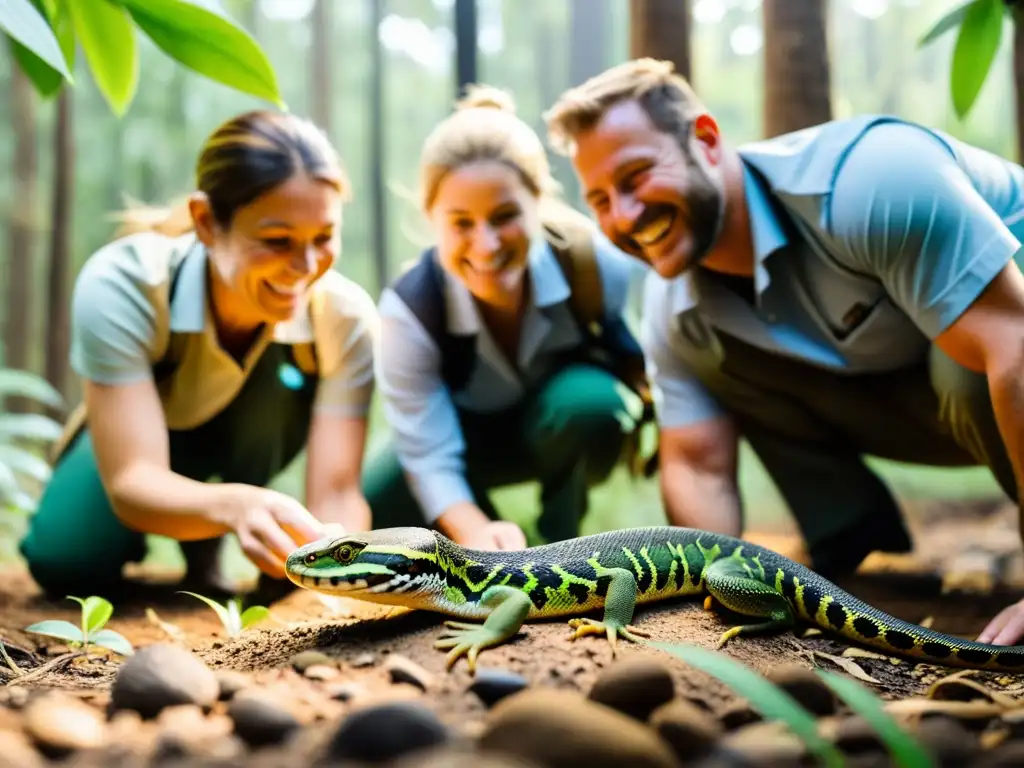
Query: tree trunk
378	191
23	225
58	316
797	81
321	97
660	29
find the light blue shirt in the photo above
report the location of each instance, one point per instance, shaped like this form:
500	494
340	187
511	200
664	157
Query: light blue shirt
418	406
871	237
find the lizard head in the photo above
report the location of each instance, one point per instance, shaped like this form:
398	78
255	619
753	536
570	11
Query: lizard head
385	566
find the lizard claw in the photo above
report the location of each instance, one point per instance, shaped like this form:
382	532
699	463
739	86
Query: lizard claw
612	630
466	640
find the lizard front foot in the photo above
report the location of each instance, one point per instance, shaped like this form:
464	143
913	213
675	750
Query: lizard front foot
468	640
612	629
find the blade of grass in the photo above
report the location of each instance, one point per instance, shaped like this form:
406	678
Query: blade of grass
219	609
772	702
906	751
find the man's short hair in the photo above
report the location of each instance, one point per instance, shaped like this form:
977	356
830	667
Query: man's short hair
664	95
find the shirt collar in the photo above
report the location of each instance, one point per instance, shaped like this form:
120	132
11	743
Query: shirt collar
188	306
768	237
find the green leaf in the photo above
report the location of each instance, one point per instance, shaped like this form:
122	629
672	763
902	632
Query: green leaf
946	23
208	42
23	22
95	612
773	702
221	611
28	426
45	78
254	614
25	462
9	488
15	383
59	628
975	50
904	748
109	41
115	641
234	626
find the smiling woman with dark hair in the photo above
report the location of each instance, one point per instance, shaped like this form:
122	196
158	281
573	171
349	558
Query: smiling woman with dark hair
214	341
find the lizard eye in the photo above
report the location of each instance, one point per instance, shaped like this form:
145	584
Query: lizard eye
343	553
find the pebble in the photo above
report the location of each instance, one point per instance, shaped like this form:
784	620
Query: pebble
363	660
300	662
17	697
321	672
386	732
560	728
854	734
404	670
1007	755
690	730
163	675
492	684
947	739
347	691
806	687
767	743
459	757
635	687
260	721
60	724
230	682
16	751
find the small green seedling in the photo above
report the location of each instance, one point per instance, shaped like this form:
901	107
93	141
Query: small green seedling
232	616
96	612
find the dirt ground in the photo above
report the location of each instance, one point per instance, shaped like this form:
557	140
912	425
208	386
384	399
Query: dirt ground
967	566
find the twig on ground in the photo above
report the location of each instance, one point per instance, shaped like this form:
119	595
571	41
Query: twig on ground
15	669
44	670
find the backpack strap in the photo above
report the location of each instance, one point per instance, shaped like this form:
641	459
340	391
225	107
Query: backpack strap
573	247
421	288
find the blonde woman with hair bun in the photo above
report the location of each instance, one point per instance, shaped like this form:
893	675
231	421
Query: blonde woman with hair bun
504	349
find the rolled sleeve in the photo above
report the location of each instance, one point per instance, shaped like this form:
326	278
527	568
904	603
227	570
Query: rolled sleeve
903	211
113	320
347	387
428	437
679	398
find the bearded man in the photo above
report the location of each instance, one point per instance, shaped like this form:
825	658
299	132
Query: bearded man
846	290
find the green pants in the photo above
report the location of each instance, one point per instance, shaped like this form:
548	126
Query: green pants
568	436
77	545
811	428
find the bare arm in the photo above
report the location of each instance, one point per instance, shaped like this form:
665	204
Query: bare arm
129	437
698	476
334	469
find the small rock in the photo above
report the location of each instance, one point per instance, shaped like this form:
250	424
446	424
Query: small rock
739	715
491	685
300	662
230	682
459	757
555	727
854	734
60	724
690	730
947	739
185	729
347	691
1007	755
405	670
17	697
163	675
766	743
363	660
806	687
321	672
16	751
260	721
635	687
386	732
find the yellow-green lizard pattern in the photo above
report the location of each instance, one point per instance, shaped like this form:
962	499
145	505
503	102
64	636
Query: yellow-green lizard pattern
421	569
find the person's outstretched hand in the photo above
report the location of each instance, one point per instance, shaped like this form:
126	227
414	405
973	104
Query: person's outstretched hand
497	534
270	525
1006	628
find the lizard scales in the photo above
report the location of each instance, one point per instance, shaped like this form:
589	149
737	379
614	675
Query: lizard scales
420	569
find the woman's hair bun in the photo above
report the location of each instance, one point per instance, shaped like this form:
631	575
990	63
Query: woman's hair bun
487	97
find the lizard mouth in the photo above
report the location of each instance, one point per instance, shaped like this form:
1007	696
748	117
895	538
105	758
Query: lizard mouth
338	584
